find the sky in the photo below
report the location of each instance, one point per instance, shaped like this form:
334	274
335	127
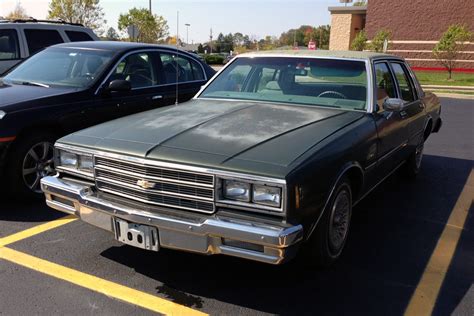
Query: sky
256	18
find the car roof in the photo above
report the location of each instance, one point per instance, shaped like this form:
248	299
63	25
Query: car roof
113	45
321	53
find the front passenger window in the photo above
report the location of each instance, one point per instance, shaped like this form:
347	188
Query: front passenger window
384	83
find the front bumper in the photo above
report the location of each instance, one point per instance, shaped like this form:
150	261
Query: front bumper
221	233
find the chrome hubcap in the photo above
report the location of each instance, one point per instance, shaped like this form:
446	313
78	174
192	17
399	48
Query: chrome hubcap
38	163
339	221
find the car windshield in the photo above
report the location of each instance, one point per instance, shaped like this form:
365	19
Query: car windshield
61	67
307	81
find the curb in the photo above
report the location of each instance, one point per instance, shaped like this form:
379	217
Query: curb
455	96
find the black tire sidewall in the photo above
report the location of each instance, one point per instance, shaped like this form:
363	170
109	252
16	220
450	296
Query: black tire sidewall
14	170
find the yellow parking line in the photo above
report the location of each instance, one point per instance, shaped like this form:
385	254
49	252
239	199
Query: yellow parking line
36	230
96	284
424	298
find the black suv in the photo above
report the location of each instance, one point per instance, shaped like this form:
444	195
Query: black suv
71	86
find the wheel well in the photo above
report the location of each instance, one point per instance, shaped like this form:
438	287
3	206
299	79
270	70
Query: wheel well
428	129
356	179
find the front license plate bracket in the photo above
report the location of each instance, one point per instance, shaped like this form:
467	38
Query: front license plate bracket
140	236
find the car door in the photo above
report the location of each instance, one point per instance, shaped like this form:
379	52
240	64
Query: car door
413	110
391	126
181	69
143	70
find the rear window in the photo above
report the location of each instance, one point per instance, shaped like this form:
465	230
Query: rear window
39	39
9	45
76	36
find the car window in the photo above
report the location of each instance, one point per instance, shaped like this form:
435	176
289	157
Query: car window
76	36
61	67
404	83
39	39
384	84
9	48
181	68
138	69
305	80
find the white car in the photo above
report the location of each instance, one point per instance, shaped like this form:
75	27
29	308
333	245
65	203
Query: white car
22	38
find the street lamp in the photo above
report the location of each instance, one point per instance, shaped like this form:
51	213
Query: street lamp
187	33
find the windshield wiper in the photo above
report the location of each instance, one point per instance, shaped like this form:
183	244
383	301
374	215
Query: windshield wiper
32	83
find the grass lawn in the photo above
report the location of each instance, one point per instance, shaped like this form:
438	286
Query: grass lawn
441	78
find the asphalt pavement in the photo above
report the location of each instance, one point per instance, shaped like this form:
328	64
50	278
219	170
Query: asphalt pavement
395	233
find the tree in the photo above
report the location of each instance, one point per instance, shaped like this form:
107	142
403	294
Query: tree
450	45
306	33
152	28
379	39
86	12
360	3
112	35
19	13
200	49
360	41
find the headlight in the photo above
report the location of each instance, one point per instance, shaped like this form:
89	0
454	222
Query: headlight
266	195
2	114
67	159
236	190
75	163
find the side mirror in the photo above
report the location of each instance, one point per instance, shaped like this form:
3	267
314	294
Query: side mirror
393	105
119	86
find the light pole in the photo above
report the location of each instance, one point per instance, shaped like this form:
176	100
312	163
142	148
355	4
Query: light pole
187	33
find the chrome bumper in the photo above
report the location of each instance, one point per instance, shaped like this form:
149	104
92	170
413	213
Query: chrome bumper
221	233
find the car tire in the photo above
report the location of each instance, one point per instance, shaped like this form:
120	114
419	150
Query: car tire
413	164
327	242
31	159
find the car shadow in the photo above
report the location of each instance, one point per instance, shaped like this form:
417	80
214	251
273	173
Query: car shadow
25	210
394	231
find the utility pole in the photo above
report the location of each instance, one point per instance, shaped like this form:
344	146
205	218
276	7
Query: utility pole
187	33
210	42
149	5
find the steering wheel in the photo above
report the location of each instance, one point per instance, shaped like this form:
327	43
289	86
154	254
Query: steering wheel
332	94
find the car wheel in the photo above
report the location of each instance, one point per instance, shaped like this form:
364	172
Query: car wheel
31	159
328	240
413	164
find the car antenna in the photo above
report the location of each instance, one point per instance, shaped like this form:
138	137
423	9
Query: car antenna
176	57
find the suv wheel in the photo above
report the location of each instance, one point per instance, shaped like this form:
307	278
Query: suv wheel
31	160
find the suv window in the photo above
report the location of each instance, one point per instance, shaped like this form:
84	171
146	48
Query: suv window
404	83
137	69
76	36
177	66
9	45
39	39
384	83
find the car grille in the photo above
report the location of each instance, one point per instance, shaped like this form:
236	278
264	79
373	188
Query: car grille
155	185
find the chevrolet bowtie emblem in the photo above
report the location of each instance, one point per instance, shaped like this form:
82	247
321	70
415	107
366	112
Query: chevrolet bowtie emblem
145	184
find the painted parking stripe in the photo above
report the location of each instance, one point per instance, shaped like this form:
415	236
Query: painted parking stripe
36	230
96	284
424	298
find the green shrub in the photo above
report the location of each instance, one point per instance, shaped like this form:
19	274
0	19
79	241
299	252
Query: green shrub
214	59
379	39
360	41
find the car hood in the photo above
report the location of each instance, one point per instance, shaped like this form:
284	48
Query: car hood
11	95
242	136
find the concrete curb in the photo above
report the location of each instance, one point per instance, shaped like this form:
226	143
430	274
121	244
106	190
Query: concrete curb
455	96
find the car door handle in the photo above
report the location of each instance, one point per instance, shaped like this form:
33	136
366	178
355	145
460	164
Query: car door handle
157	97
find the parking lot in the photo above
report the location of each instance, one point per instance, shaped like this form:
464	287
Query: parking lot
411	249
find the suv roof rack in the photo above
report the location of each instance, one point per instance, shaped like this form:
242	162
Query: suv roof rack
33	20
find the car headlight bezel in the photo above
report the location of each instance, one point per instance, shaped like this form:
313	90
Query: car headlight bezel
253	203
74	162
2	114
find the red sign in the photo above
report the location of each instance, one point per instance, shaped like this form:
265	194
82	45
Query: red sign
312	45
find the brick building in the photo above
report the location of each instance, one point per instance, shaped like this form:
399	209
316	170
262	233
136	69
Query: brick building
416	26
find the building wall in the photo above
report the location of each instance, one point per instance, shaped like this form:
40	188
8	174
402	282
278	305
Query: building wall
344	28
417	25
340	31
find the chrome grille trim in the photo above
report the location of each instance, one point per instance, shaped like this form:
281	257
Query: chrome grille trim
174	188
